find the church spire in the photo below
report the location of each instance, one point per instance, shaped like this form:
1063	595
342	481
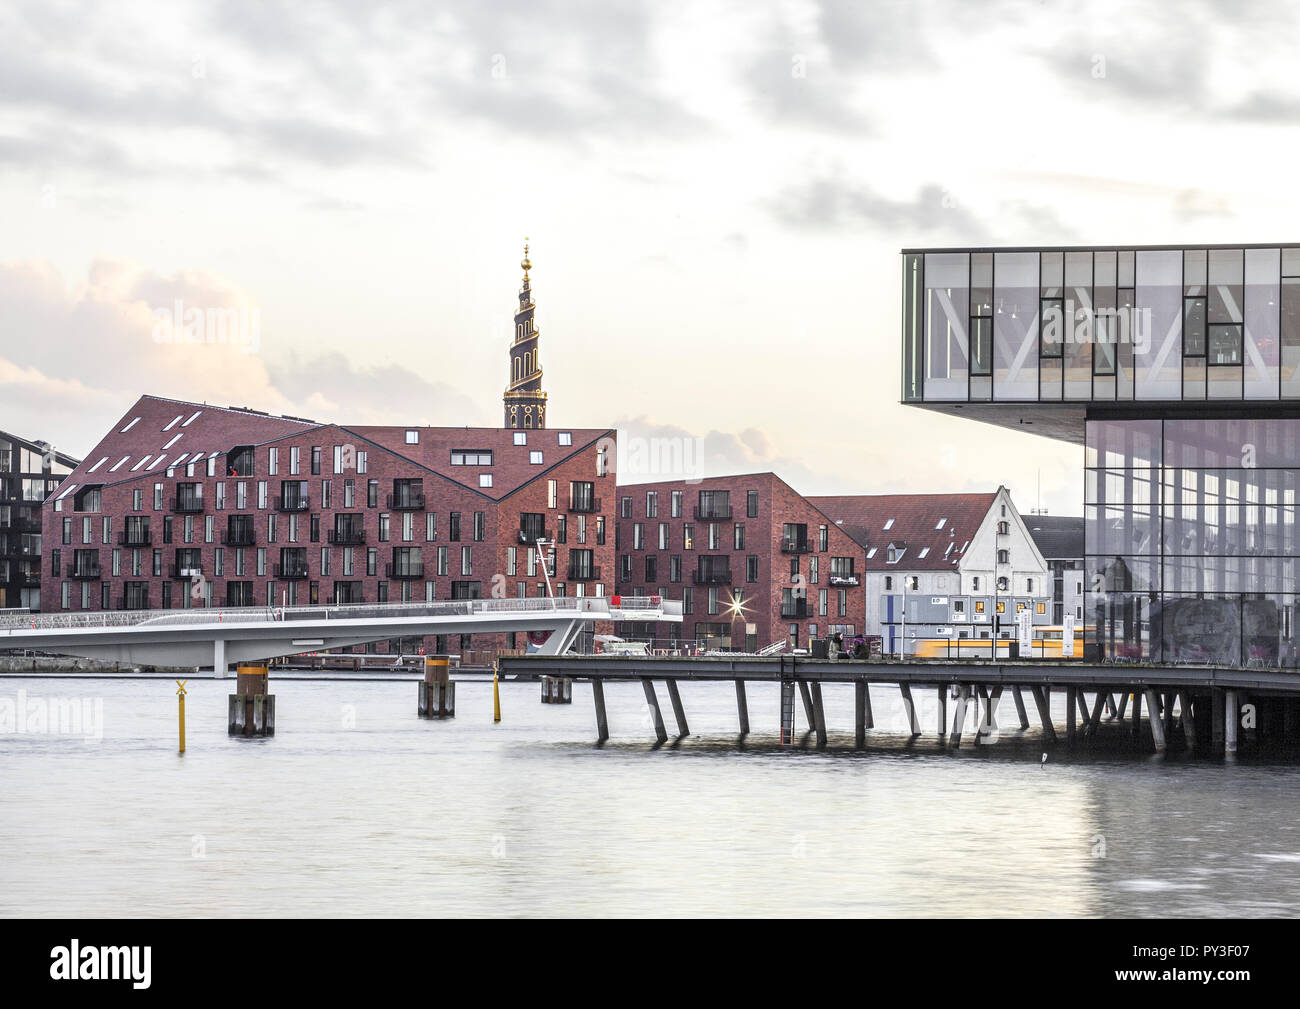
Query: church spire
524	400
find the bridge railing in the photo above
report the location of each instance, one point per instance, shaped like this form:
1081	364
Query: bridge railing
11	623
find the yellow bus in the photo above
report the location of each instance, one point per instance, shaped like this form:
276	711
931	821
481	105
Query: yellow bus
1047	645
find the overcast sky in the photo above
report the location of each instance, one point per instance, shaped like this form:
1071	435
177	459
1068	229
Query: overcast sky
716	195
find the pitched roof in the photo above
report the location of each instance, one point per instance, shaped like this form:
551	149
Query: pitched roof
938	526
1058	537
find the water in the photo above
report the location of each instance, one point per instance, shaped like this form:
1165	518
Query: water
357	807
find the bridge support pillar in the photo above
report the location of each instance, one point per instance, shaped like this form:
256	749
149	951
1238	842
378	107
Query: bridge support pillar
1187	718
742	707
437	698
1123	706
602	722
657	716
1094	721
679	712
860	714
1231	714
1137	713
1043	702
1156	719
805	695
220	668
959	716
1020	708
819	714
943	712
252	708
909	706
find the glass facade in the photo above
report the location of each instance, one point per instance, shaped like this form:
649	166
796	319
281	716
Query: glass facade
1191	542
1101	325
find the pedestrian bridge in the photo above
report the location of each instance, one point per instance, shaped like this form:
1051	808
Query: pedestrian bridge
197	637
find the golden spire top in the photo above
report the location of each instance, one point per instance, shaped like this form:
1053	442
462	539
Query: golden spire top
526	264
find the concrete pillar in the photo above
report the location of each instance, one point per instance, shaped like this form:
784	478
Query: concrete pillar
252	707
437	694
1094	722
1187	718
1020	708
819	714
1043	701
806	696
860	714
1231	716
1123	706
909	706
959	717
943	711
652	701
220	668
1168	713
602	721
866	700
1156	720
742	707
679	713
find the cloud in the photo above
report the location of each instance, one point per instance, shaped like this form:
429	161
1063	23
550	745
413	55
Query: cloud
833	202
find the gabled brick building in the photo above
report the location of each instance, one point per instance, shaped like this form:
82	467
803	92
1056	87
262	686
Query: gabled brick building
751	559
185	504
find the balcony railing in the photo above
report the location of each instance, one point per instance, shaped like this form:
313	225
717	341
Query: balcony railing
84	570
187	505
135	539
414	569
292	502
581	573
713	577
291	571
584	504
795	609
185	571
238	537
708	513
844	581
531	536
795	546
411	501
347	537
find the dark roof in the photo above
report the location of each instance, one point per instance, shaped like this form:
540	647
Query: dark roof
913	519
1058	537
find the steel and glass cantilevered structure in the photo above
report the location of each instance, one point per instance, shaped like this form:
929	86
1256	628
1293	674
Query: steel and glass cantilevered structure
1178	370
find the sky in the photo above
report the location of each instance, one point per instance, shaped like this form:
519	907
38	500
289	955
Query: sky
715	193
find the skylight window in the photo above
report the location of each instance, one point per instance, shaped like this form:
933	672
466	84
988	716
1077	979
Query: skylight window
129	426
97	465
144	460
871	553
925	551
174	422
192	418
120	463
889	524
941	523
174	441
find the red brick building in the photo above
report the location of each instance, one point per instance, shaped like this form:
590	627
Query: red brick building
751	559
186	504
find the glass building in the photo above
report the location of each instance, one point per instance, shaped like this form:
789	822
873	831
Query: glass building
1176	370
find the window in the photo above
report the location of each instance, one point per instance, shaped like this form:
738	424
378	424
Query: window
751	503
412	437
675	504
889	524
625	507
566	438
751	568
535	458
651	504
521	438
485	479
471	457
1004	557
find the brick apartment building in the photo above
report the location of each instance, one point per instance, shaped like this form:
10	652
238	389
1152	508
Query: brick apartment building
30	471
184	504
752	561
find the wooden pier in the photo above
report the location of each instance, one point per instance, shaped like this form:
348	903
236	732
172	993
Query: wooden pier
1200	708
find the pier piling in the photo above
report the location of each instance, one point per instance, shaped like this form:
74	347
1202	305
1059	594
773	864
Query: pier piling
661	734
819	714
437	694
860	714
252	707
602	721
1231	714
1156	719
679	712
1020	708
742	707
909	705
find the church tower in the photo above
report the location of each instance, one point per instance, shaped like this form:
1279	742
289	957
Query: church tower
525	403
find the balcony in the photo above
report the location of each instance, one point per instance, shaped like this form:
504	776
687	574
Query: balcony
413	569
135	539
794	609
25	526
713	513
584	504
291	571
844	581
347	537
410	501
28	579
185	571
530	536
795	546
85	570
187	505
583	574
238	537
292	502
712	577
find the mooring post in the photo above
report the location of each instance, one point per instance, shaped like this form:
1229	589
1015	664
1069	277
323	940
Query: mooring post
909	706
1071	702
959	716
1187	718
819	714
437	694
602	722
742	707
679	713
1043	701
943	712
652	701
787	711
1020	708
1231	713
1156	718
860	714
252	707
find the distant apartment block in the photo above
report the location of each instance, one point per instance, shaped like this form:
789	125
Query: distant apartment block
30	471
1059	539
